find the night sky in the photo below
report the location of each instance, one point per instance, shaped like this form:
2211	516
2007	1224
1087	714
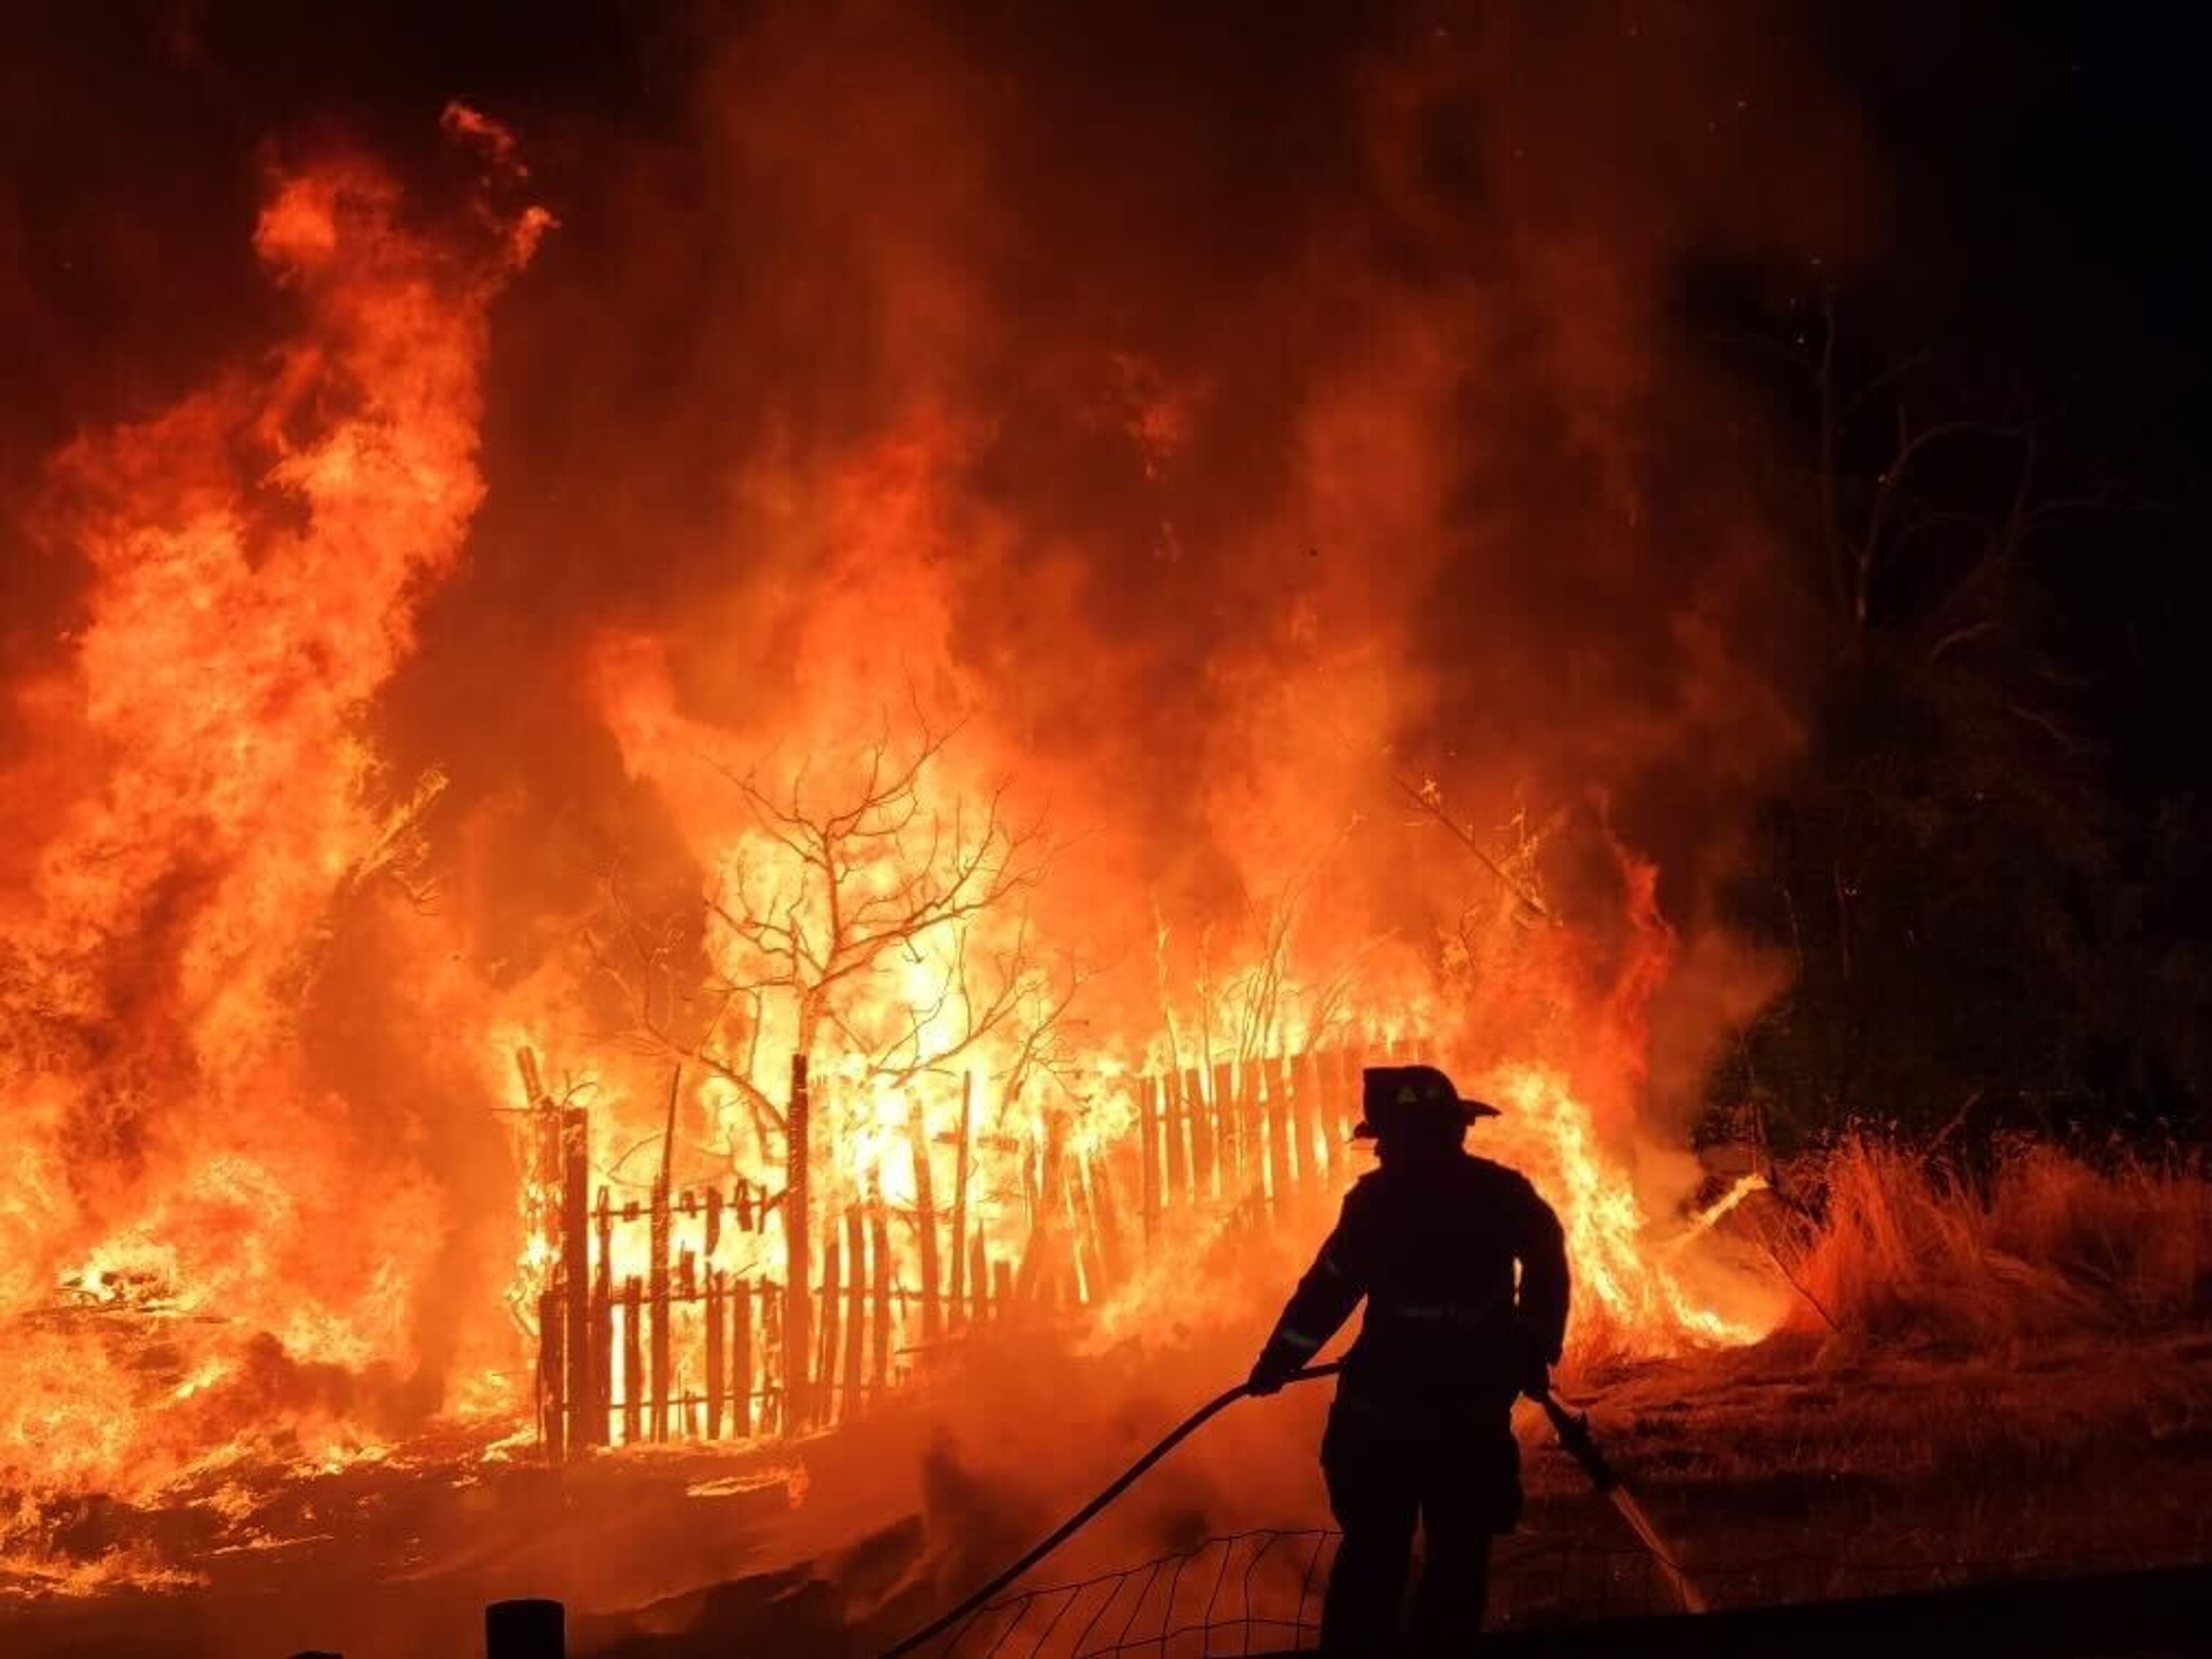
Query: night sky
2045	169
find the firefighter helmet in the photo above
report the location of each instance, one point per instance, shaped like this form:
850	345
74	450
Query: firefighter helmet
1395	1098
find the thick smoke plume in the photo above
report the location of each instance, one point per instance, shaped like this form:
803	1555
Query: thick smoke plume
1225	417
1228	422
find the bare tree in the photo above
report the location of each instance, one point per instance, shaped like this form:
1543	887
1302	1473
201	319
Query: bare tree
1928	551
1248	1014
1516	873
1950	799
877	916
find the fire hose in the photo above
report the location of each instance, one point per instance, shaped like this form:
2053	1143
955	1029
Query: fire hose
1575	1438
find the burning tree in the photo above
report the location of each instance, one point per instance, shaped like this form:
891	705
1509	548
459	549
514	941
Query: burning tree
870	919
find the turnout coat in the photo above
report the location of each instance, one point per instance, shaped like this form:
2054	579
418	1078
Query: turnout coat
1463	1268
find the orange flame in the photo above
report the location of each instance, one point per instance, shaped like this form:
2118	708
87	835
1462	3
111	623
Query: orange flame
208	817
257	551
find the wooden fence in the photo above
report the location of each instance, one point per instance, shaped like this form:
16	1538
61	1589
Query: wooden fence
647	1332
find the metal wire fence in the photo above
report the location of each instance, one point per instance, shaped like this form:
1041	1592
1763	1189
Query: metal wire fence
1260	1592
1250	1592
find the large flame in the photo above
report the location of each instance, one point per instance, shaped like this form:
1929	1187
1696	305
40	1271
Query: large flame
1125	697
208	817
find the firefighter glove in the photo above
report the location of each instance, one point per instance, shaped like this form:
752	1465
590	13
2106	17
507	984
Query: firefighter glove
1269	1372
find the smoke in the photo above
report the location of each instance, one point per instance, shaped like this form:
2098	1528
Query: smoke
1222	414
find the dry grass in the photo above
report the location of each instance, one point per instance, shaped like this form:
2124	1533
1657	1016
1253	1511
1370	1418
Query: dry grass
2005	1369
2044	1242
1814	1467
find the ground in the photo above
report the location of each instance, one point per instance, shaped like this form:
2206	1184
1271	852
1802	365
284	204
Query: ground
1798	1469
1801	1468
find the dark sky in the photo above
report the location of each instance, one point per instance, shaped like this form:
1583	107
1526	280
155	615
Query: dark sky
2047	170
2052	175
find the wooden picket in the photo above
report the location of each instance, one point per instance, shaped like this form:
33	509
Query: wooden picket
649	1328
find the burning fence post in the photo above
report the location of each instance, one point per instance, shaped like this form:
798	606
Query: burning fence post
559	1174
775	1366
576	1266
598	1404
1148	1161
832	1311
544	1121
1105	1218
552	1408
744	1422
925	1215
1340	1075
687	1292
657	1300
1175	1171
856	1316
1038	1268
965	1137
1278	1136
1306	1109
1228	1137
1074	1258
1088	1277
979	1278
633	1359
881	1272
658	1236
741	1359
713	1318
798	1314
1251	1133
1201	1135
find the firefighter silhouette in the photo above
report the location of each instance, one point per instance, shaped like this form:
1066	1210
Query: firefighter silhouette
1421	1427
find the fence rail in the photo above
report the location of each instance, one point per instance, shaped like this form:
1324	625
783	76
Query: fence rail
652	1324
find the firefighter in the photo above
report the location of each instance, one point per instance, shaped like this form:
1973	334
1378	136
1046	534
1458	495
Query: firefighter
1421	1425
